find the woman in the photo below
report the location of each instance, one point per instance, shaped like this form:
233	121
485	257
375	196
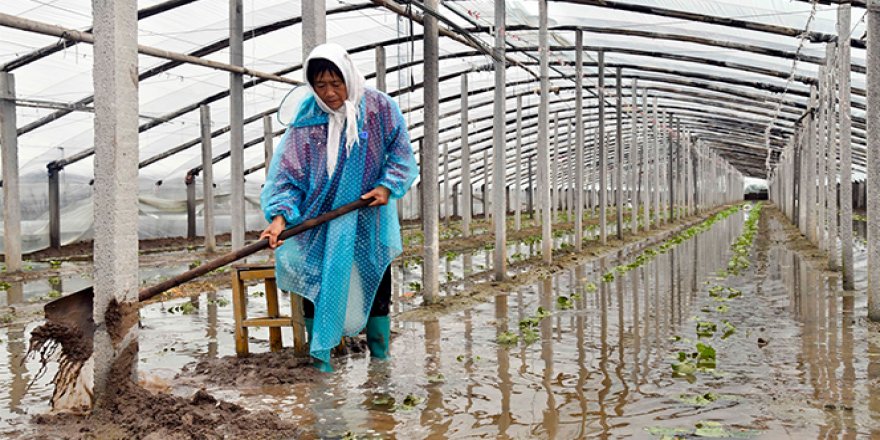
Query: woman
346	141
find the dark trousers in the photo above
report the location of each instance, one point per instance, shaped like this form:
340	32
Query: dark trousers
381	303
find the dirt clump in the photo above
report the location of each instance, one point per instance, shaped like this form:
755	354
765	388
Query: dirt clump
132	412
119	318
283	367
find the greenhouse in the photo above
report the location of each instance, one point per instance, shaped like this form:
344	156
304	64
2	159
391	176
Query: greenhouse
440	219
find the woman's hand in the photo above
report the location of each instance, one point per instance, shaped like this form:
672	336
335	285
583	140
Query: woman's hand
380	193
271	232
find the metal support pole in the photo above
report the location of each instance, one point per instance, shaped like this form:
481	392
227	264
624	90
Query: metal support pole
644	191
487	201
618	158
236	123
873	174
499	145
554	168
116	189
466	190
208	172
844	11
531	194
429	152
603	156
822	132
11	191
579	142
543	151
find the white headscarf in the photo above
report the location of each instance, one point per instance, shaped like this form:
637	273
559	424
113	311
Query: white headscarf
346	116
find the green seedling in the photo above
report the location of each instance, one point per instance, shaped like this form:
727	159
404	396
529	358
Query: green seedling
54	264
564	303
507	338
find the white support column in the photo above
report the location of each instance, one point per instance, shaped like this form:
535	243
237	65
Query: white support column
844	11
618	157
466	190
634	157
487	201
832	172
116	189
447	196
236	124
810	145
655	174
11	190
499	145
579	142
873	176
554	168
603	156
822	132
429	152
208	174
314	22
517	196
543	152
644	187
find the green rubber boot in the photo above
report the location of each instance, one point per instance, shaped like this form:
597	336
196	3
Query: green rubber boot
319	364
378	336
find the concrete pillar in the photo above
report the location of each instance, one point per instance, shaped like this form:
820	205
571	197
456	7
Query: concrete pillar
822	132
447	195
11	191
670	173
634	157
554	168
579	142
603	156
844	11
429	152
236	123
873	174
467	202
655	171
517	197
644	184
810	126
116	188
543	152
832	210
54	206
208	172
268	137
381	74
190	182
499	145
314	22
618	157
487	200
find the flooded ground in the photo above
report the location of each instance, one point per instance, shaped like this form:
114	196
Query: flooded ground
800	362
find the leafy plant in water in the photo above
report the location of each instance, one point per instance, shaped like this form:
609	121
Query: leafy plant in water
415	286
4	286
53	294
729	329
54	264
564	303
507	338
186	308
706	329
219	302
590	287
608	277
258	294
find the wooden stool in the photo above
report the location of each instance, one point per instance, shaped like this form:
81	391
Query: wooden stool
273	319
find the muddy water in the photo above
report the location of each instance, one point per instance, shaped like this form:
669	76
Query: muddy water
600	369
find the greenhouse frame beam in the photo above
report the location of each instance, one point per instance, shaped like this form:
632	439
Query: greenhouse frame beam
750	48
812	36
64	44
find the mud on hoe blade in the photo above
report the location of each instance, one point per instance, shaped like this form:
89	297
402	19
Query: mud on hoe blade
70	324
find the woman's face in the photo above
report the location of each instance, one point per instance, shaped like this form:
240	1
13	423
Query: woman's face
331	89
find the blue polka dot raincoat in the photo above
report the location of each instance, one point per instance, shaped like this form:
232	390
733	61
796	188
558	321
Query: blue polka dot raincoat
338	265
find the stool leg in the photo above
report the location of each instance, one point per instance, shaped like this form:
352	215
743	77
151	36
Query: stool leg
299	331
275	343
239	311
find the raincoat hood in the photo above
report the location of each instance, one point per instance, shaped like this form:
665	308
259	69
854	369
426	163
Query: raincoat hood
345	118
